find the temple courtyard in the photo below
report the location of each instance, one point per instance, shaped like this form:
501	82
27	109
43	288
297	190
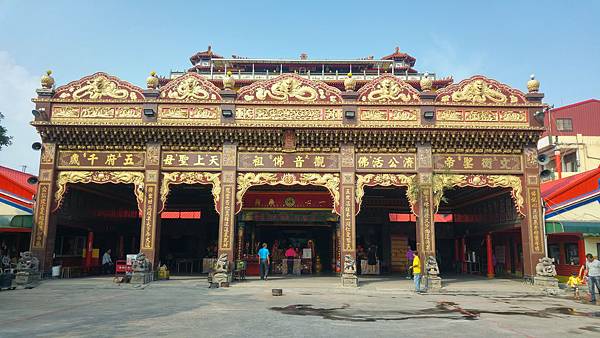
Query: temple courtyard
313	306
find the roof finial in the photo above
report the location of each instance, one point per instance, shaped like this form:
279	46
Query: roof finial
426	83
349	83
533	85
152	80
47	80
397	49
228	81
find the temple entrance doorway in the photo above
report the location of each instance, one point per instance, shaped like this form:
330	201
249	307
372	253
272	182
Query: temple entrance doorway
189	228
299	218
92	219
477	232
386	228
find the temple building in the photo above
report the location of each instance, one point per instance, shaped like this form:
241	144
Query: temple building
334	158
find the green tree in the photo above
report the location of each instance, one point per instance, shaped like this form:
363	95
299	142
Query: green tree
5	140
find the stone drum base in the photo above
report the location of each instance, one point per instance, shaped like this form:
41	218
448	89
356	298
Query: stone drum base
433	283
141	278
349	280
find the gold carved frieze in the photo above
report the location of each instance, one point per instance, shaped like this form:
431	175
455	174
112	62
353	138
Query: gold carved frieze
443	182
385	180
386	162
289	161
190	177
48	153
531	160
99	87
296	114
290	88
177	112
92	112
109	160
174	160
99	177
477	163
383	115
330	181
481	90
481	115
190	87
388	89
153	154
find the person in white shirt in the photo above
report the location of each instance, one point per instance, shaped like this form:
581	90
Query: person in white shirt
107	262
593	271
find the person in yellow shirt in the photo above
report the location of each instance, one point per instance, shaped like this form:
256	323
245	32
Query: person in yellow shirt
574	282
416	270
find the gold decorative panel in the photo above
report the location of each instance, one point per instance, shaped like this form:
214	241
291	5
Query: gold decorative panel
99	87
388	89
480	90
190	87
290	88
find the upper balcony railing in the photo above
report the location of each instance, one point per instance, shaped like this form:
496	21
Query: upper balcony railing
310	76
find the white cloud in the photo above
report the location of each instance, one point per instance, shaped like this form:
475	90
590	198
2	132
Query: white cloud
17	87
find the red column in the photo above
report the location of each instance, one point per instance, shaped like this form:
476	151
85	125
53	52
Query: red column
463	267
490	261
557	163
88	251
581	247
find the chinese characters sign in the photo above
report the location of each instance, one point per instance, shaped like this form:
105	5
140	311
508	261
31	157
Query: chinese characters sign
191	160
101	159
385	162
149	216
478	163
227	219
288	161
41	215
535	222
348	218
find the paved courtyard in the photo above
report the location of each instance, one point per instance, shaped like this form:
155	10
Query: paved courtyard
312	306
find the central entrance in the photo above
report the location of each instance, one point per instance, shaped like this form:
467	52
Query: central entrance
299	218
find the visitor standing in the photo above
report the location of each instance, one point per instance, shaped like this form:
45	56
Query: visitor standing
416	270
107	262
290	254
409	257
371	259
593	271
264	261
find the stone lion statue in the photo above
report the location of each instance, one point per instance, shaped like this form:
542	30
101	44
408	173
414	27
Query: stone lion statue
349	265
28	262
545	267
431	266
140	263
222	263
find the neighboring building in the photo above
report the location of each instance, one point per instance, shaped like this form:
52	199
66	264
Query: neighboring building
572	219
572	138
16	208
292	152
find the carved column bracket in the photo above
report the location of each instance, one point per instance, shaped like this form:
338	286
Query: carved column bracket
190	177
99	177
248	180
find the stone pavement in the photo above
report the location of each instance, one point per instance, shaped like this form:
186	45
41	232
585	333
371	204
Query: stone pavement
310	306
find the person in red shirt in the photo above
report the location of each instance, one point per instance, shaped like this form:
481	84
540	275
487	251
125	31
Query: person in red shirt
290	254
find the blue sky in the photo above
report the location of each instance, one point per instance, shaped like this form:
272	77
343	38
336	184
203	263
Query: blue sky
559	41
